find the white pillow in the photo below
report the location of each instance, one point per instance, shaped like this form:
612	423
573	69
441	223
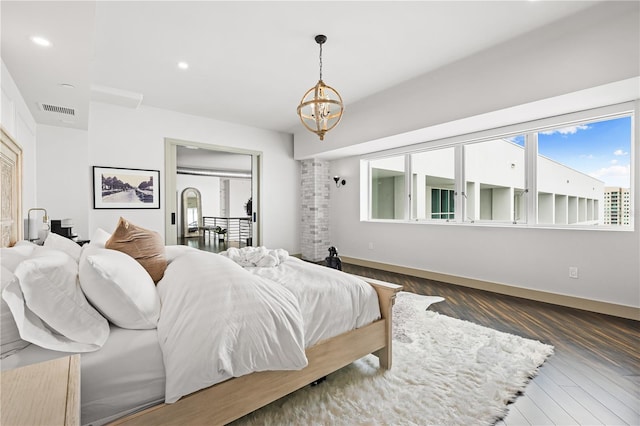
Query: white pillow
119	287
99	238
10	257
25	246
10	340
172	252
49	307
58	242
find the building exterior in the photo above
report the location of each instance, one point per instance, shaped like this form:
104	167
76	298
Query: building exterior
617	206
494	187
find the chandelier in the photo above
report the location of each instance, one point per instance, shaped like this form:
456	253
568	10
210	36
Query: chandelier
321	107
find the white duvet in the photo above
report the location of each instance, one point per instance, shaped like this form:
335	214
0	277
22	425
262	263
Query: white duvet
219	321
332	302
256	256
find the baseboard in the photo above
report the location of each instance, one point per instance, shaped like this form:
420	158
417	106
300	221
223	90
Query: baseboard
621	311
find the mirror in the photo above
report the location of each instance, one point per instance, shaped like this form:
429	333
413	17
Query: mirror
191	213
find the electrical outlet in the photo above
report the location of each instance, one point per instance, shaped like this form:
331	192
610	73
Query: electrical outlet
573	272
370	246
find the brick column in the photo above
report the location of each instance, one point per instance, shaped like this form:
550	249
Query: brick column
314	181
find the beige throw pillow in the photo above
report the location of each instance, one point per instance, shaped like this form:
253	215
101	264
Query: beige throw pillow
145	246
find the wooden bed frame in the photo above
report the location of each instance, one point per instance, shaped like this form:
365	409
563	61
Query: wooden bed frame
227	401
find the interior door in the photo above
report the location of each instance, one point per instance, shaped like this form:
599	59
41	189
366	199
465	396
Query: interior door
173	214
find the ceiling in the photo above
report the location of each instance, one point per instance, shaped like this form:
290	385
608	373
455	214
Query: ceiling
249	62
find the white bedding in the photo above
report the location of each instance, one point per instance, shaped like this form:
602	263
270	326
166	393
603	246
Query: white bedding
331	301
256	256
124	376
219	321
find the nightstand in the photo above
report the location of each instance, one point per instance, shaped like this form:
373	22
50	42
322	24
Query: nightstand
47	393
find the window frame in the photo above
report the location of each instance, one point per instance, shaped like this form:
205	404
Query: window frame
529	130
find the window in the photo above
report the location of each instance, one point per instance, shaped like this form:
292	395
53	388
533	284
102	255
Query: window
433	184
494	186
442	204
576	172
582	171
388	192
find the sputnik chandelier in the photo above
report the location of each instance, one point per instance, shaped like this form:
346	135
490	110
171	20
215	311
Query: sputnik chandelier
321	107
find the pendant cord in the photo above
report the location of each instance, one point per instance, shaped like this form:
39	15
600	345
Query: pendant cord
321	61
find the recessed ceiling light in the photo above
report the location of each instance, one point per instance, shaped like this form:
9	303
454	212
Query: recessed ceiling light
183	65
41	41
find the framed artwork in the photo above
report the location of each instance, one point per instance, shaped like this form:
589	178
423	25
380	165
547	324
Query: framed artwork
118	188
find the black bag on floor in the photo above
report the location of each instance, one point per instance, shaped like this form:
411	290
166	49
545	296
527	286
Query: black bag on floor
333	261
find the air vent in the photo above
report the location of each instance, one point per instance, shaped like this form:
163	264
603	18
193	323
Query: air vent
57	109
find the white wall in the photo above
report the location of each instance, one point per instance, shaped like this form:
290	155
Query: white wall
209	187
18	122
65	179
532	258
124	137
598	46
528	78
239	193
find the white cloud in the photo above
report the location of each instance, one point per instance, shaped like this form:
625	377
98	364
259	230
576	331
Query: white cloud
615	175
620	152
566	130
614	162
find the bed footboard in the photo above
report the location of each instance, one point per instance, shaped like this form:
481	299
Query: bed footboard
386	297
234	398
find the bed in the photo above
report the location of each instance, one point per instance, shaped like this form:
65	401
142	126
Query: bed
130	378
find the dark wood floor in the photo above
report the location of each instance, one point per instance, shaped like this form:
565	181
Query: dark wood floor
593	378
208	243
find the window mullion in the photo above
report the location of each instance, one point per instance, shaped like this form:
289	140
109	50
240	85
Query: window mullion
458	173
531	170
407	187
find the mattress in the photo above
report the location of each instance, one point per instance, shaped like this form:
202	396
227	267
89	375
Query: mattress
126	375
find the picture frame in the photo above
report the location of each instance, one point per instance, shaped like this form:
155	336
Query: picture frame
122	188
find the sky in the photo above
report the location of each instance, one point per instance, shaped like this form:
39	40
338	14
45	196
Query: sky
600	149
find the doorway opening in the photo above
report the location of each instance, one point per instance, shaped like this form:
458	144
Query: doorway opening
212	196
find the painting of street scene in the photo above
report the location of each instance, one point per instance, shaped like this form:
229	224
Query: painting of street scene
125	188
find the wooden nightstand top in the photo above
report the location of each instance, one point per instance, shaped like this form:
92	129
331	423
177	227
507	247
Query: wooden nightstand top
47	393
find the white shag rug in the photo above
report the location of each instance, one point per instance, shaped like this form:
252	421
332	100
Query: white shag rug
445	372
